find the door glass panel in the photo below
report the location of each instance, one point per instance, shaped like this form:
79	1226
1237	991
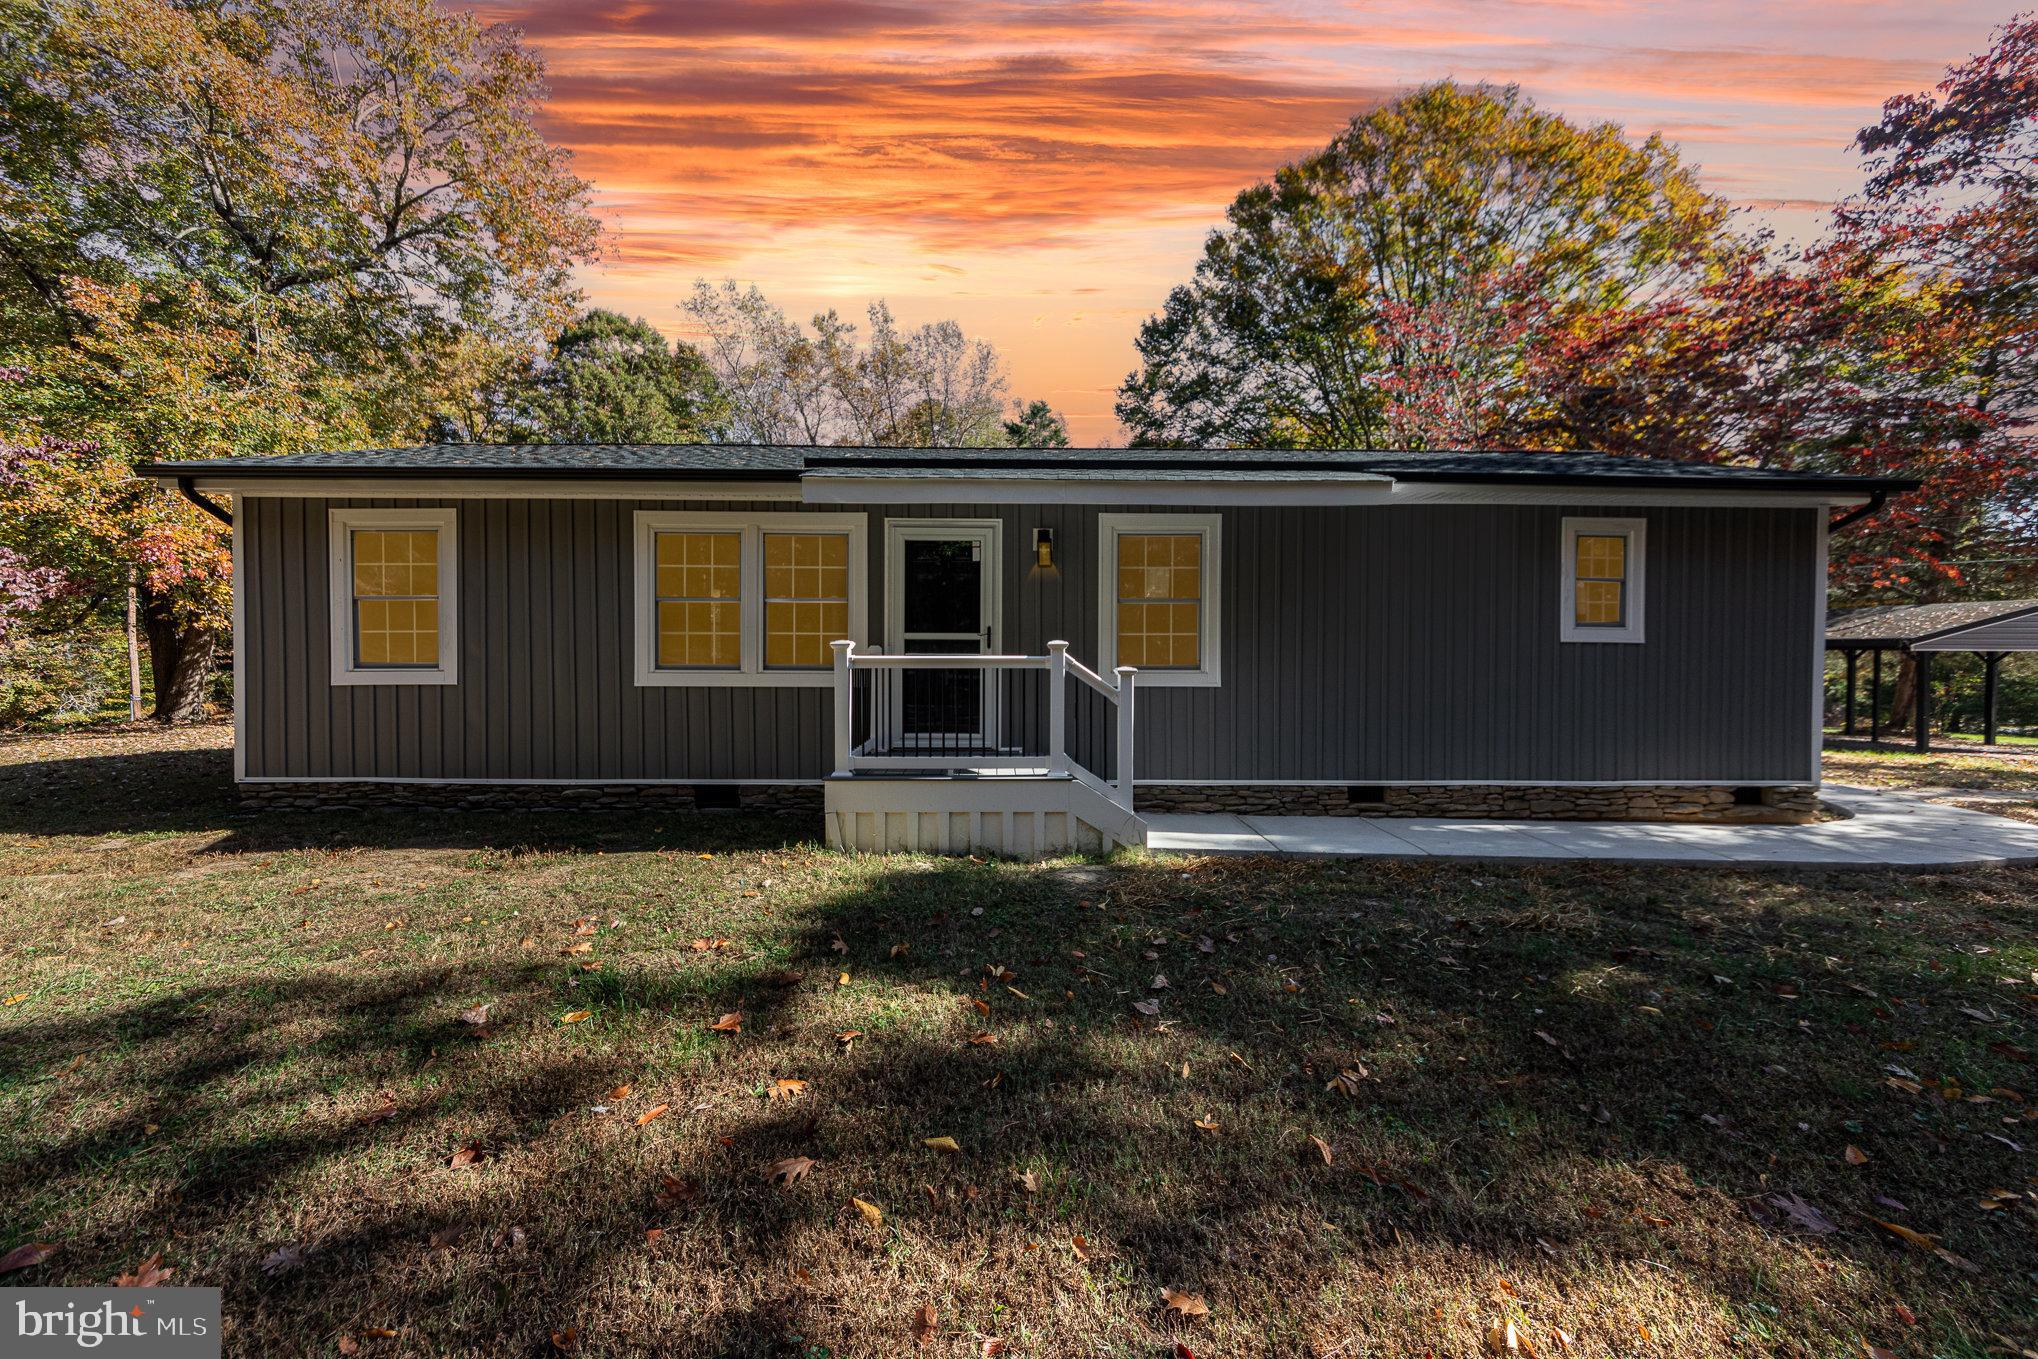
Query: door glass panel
942	614
944	588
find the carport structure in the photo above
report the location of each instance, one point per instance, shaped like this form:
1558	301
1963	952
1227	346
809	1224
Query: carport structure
1991	629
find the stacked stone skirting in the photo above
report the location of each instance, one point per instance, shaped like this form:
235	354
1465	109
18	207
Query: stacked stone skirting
769	798
1790	805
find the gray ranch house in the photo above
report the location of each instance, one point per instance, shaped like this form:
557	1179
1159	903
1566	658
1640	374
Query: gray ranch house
1022	650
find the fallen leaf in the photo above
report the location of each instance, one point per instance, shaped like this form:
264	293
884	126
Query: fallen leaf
900	950
787	1087
1207	1123
1502	1338
572	949
1346	1082
621	1092
474	1017
283	1259
575	1016
1080	1247
652	1234
565	1340
1903	1233
21	1257
982	1007
654	1111
1321	1147
983	1040
1803	1214
924	1323
872	1214
838	945
1855	1156
1906	1315
148	1274
1150	1008
790	1171
674	1191
471	1154
993	1347
1185	1304
1029	1180
942	1144
349	1345
731	1022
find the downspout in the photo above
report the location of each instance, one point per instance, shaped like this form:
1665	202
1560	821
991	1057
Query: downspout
188	488
1876	500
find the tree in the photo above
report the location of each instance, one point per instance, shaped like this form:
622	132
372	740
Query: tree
1315	294
1035	424
305	203
929	387
609	379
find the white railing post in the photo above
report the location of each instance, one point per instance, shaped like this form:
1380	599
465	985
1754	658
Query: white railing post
1057	707
843	651
1125	675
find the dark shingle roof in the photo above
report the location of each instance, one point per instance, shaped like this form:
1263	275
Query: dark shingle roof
789	462
1902	624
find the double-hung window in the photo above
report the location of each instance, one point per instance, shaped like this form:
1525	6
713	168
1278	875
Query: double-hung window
395	605
730	598
1158	596
1602	574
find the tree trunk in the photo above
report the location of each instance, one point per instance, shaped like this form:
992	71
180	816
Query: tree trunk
1903	704
180	659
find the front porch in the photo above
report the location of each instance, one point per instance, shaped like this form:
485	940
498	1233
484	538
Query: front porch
972	753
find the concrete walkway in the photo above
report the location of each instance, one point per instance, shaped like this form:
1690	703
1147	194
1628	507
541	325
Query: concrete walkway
1887	830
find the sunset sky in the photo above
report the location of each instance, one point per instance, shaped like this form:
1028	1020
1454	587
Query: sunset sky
1045	172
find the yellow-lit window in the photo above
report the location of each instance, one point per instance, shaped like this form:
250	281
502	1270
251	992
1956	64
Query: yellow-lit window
699	599
1600	593
806	598
1160	600
396	598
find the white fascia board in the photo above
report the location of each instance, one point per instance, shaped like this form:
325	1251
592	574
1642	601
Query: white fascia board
1366	490
1354	490
491	488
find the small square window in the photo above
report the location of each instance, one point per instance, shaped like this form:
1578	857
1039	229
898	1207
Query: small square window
1602	580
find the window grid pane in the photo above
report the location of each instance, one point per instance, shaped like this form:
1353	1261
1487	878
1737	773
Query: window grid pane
1599	595
806	598
697	593
396	604
1160	600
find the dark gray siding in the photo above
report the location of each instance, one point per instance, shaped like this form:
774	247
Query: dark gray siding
1360	645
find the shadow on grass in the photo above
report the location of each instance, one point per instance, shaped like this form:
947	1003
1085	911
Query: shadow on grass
1564	1078
192	792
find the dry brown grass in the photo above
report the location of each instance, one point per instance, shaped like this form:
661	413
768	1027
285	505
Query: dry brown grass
1575	1090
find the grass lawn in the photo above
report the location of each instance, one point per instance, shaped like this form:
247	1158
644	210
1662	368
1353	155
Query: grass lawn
1639	1112
1889	767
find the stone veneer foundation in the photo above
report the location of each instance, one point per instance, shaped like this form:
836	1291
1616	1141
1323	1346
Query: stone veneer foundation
775	798
1604	802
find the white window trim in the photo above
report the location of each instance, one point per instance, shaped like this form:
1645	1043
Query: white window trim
1636	531
340	533
753	527
1210	633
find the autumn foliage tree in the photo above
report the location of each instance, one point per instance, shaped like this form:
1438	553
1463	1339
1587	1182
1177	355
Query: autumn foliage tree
233	225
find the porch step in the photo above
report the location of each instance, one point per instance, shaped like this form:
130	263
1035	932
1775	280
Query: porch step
1022	816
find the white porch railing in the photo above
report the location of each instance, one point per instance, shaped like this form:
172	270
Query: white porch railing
969	713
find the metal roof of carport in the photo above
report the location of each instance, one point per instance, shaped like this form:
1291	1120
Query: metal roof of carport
1969	625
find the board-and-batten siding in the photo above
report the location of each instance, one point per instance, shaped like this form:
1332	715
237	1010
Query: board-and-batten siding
1361	645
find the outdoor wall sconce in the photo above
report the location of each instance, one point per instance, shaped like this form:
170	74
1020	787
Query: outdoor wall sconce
1043	547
